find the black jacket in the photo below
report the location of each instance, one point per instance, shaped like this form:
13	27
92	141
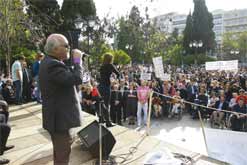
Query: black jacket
60	101
116	96
225	105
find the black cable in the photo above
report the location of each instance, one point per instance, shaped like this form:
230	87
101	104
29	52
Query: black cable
127	156
185	159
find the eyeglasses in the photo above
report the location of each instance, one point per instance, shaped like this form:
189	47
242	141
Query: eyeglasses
66	46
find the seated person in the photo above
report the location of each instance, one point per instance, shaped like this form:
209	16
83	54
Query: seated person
4	108
88	100
201	99
237	120
177	105
217	116
211	103
8	92
4	132
242	95
233	100
157	106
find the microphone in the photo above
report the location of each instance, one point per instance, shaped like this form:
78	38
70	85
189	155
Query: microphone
85	54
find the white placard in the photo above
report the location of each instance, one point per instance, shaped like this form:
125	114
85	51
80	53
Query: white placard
145	76
166	77
222	65
158	66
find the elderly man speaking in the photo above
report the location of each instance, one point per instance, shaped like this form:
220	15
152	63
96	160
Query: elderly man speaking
60	106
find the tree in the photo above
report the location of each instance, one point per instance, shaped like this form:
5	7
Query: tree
11	28
203	26
235	42
174	55
44	15
121	57
187	34
130	36
77	12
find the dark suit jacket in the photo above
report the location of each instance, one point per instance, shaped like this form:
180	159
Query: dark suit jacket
60	101
116	96
224	106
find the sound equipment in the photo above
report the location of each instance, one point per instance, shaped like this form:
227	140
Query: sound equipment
89	137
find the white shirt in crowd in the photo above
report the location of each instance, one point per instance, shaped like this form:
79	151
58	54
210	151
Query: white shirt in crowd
16	67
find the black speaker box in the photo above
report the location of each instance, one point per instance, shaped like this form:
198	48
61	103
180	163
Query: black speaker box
89	137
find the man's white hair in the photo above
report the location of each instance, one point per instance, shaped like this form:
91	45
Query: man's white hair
53	41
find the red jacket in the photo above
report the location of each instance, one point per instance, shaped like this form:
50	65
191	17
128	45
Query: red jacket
244	97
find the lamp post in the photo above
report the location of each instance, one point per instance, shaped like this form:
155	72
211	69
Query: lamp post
182	53
87	26
196	45
129	48
234	52
143	54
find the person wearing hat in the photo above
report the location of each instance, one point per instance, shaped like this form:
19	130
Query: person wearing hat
88	100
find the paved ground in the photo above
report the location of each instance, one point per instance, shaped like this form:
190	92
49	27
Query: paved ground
33	145
186	133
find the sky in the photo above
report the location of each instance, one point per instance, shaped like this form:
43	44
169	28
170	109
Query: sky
117	8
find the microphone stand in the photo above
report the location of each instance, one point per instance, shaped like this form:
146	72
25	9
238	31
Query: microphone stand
100	131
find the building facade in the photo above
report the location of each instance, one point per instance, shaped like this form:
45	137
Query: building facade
233	21
168	22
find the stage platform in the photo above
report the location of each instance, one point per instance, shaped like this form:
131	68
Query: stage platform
33	145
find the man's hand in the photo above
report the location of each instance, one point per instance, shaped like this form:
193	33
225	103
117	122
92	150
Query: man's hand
77	56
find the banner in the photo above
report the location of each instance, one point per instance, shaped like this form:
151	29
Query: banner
222	65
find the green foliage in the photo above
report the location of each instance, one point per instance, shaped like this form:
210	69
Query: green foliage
174	55
203	25
29	54
12	29
130	37
141	39
199	27
120	57
44	15
188	32
73	9
235	42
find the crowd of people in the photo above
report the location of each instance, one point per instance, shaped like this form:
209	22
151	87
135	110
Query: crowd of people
129	94
22	85
216	92
119	92
18	88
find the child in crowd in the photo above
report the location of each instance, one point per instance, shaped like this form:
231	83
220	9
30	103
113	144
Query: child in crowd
131	103
115	102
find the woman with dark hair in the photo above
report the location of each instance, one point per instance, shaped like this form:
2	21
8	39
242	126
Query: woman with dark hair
105	84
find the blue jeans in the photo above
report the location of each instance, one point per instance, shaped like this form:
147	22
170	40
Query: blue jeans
18	90
37	92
